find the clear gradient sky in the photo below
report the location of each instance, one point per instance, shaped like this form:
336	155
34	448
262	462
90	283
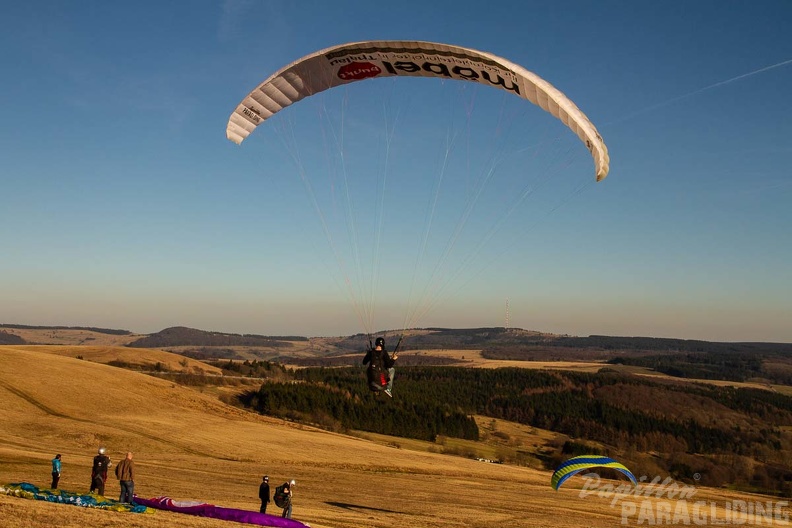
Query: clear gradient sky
123	205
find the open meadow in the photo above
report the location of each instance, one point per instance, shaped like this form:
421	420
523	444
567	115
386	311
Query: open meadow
189	445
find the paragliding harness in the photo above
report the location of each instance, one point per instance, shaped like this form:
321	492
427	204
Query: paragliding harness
99	473
281	498
100	465
380	362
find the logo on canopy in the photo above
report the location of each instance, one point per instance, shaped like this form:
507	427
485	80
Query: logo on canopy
355	71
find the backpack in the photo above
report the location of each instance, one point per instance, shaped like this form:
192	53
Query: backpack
100	464
281	498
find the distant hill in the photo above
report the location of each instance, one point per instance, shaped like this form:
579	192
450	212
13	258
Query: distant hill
759	362
493	341
183	336
64	335
446	338
89	328
10	339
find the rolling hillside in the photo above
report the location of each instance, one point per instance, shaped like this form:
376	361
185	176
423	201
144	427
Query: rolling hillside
189	445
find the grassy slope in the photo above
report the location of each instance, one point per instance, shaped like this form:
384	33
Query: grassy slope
188	445
143	358
70	336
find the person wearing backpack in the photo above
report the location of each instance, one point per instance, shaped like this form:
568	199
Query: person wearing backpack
283	497
381	368
101	463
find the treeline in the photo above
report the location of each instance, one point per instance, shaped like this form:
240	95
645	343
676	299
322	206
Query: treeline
445	338
411	359
496	342
762	362
669	345
208	354
714	366
624	411
691	428
88	328
183	336
632	345
733	366
340	400
253	369
464	337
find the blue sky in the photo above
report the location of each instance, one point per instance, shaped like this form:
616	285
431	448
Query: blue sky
124	206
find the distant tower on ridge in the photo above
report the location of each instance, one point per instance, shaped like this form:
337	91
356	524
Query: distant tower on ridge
506	326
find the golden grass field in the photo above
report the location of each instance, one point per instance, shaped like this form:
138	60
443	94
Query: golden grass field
189	445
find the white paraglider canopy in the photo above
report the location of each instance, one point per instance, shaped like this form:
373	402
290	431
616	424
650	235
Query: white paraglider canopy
347	63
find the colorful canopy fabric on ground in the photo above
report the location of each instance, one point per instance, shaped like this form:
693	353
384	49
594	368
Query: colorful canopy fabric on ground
217	512
29	491
577	464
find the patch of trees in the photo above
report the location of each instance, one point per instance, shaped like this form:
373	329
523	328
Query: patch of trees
669	345
734	366
253	369
356	408
544	352
208	353
615	348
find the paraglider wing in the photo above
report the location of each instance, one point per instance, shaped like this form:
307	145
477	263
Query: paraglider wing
581	463
358	61
203	509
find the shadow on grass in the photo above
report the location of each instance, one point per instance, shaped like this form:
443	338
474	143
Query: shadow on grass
347	506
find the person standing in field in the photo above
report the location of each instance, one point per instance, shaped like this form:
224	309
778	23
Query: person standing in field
264	494
283	497
125	472
56	471
101	463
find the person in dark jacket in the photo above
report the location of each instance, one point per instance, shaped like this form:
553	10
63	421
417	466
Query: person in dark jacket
381	368
56	471
125	472
101	463
264	494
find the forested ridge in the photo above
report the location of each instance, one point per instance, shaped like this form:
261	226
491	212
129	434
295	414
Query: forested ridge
688	428
734	366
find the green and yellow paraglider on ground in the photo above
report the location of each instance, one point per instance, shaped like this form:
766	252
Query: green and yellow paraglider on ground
29	491
575	465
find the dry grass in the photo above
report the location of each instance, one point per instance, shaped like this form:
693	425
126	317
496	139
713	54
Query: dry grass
144	358
71	336
188	445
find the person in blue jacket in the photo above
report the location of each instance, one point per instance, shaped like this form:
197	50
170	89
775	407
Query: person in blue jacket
56	471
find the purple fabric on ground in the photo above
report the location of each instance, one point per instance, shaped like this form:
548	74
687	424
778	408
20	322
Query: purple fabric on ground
218	512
